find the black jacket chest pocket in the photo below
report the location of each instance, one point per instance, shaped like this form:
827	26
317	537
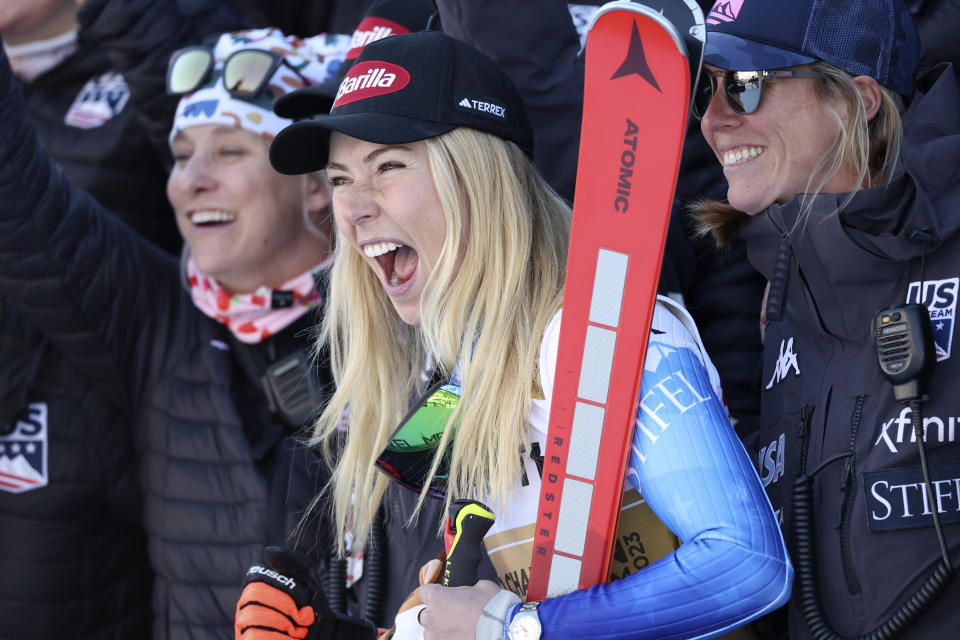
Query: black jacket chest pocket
778	451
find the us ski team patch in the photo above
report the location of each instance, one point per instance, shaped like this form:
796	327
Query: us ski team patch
102	98
23	450
940	299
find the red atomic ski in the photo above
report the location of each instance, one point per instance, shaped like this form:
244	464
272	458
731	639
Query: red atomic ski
636	98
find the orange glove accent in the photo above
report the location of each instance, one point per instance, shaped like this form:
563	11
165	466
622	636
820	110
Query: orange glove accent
264	611
282	598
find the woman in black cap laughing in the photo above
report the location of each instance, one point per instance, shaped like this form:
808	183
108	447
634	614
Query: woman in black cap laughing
451	250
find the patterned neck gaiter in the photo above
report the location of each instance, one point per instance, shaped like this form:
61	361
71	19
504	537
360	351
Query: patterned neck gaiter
254	317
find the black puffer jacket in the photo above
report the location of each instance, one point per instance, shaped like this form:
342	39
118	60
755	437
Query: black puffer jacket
221	478
392	560
824	394
91	125
72	550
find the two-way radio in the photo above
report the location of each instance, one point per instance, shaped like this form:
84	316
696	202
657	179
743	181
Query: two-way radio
905	349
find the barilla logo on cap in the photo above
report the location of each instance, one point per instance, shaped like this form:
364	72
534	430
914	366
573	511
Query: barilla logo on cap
724	11
370	79
371	30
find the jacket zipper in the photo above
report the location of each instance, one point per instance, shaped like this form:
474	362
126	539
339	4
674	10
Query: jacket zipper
803	432
848	485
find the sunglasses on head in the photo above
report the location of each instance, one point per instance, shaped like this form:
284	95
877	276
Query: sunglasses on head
411	450
743	90
245	72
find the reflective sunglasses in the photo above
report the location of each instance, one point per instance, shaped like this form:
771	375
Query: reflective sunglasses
408	456
245	72
742	89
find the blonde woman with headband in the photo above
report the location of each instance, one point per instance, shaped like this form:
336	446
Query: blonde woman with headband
451	249
848	201
197	352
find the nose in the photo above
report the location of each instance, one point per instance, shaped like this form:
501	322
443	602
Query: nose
717	117
193	176
718	111
354	205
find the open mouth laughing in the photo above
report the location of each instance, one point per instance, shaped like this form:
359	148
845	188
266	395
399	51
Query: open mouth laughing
397	261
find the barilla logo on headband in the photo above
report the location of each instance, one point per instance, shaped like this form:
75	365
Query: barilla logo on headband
371	30
724	11
370	79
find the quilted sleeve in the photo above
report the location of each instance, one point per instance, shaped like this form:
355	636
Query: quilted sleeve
81	276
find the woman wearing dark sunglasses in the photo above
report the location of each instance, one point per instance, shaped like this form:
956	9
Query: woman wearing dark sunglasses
200	352
848	204
452	249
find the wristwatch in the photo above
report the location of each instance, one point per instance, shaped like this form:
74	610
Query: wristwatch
526	623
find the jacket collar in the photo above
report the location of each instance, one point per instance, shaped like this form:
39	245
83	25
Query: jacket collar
915	212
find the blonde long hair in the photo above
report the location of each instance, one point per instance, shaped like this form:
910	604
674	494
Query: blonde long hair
488	314
868	150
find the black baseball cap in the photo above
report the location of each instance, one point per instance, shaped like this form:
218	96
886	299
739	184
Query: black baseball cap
384	18
407	88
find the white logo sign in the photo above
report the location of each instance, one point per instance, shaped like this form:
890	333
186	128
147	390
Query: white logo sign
770	462
270	573
940	299
379	77
484	107
896	431
785	362
23	450
102	98
361	39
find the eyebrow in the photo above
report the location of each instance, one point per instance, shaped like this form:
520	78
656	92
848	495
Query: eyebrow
226	130
220	130
370	157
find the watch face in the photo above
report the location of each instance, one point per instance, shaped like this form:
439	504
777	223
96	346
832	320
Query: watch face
525	626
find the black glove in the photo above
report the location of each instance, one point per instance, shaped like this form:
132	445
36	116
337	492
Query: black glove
281	597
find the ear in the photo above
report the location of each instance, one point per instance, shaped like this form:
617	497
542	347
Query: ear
317	199
316	191
871	93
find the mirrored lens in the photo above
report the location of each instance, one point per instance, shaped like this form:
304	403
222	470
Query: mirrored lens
247	71
188	70
743	89
703	94
408	456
